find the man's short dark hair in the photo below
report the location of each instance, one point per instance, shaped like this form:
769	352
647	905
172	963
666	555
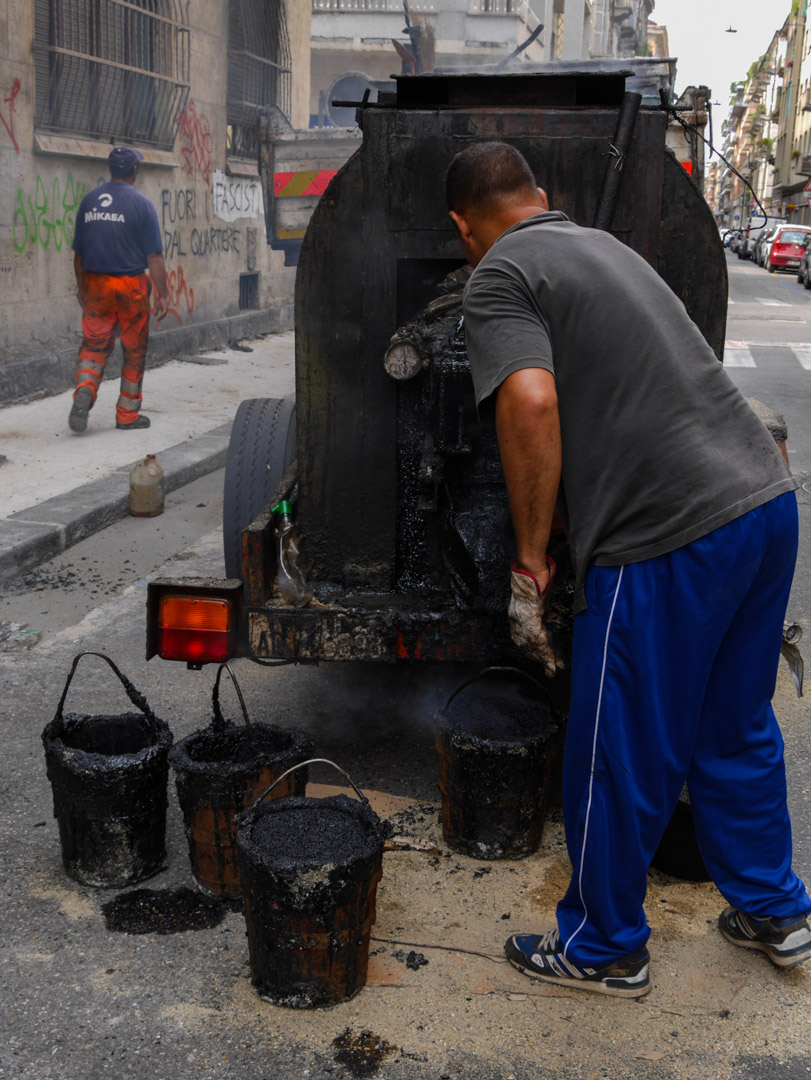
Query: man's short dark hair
486	174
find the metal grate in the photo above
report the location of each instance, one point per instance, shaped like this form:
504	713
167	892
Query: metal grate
248	291
259	70
111	69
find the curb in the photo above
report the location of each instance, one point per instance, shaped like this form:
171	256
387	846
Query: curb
34	535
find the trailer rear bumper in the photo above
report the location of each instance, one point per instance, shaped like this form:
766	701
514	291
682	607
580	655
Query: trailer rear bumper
383	629
386	627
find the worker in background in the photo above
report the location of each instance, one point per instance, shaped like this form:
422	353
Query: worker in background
682	523
117	238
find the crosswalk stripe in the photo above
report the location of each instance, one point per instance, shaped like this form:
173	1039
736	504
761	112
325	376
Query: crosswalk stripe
771	303
739	353
738	358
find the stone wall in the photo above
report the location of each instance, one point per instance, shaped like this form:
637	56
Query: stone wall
210	210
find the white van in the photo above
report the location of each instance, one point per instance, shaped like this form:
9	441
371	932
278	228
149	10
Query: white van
754	230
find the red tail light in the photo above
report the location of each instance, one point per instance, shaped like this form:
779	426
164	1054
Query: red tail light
199	630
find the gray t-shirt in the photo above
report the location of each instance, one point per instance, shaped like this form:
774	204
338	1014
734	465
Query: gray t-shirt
659	446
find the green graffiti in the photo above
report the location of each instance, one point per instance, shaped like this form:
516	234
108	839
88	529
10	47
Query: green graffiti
39	220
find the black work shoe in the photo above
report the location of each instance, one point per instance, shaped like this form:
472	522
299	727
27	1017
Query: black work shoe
82	404
140	422
542	958
786	942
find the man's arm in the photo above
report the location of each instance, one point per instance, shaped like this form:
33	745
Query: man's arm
78	269
528	429
157	271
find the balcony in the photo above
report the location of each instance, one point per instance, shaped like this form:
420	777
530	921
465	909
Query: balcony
418	6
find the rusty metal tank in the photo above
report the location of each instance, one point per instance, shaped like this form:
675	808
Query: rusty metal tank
398	488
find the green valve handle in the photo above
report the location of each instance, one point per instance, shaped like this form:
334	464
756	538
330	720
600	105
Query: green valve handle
284	507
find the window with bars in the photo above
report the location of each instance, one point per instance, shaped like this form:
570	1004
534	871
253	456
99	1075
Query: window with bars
259	70
111	69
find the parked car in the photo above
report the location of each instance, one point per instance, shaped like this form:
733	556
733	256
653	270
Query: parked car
754	230
804	271
787	248
763	244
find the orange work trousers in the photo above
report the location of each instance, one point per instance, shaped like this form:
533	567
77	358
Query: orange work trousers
110	301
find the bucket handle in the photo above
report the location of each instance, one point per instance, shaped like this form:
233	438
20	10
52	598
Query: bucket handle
313	761
137	699
498	667
218	723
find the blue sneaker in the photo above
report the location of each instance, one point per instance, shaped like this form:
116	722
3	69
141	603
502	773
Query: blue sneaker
542	958
786	942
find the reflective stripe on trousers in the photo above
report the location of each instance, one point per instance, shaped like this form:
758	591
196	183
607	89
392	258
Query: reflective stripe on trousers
111	301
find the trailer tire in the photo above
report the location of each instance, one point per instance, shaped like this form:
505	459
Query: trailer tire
261	450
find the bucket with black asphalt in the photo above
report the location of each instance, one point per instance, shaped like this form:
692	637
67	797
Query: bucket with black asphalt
310	869
220	771
109	776
496	744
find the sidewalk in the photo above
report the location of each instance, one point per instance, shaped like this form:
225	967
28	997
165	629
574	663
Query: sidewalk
59	487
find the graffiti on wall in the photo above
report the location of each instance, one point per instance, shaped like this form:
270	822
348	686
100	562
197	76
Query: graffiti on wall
181	295
213	241
196	142
40	219
178	209
233	198
8	118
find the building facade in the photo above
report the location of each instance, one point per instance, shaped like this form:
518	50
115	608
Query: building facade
353	40
182	82
767	133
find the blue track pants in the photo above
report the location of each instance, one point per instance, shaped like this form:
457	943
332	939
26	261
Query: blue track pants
673	671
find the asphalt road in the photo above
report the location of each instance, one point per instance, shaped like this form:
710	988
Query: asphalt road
80	1003
768	355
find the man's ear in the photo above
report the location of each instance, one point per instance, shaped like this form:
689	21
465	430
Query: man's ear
460	221
543	198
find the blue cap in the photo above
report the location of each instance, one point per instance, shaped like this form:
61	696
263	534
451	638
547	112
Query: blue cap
123	159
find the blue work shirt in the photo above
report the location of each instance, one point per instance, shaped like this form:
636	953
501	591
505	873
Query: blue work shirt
116	228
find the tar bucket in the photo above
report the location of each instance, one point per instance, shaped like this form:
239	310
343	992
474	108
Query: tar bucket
109	776
496	743
219	772
310	869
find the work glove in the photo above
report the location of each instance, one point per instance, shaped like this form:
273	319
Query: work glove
528	607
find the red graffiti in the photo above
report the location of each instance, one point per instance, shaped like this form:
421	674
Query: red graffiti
178	289
196	142
9	124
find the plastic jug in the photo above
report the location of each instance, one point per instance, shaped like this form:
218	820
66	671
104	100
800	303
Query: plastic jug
146	488
289	574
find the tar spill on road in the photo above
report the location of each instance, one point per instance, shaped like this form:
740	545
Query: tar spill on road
162	911
412	960
361	1053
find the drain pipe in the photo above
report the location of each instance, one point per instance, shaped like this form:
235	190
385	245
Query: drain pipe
618	152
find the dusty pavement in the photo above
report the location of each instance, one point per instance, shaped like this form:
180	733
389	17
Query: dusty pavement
58	486
81	1002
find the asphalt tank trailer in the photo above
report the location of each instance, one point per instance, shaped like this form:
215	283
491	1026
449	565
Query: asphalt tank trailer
395	484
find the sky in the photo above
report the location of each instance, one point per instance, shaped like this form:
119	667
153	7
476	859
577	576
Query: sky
705	52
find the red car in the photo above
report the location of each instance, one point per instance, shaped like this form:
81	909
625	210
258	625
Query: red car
788	247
